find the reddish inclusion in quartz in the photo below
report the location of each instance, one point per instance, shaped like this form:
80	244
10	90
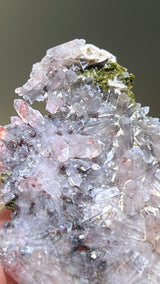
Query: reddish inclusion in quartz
3	133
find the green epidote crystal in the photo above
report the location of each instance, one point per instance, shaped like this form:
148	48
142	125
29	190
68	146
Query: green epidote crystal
4	177
102	73
10	205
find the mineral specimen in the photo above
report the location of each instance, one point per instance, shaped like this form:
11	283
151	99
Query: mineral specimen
83	181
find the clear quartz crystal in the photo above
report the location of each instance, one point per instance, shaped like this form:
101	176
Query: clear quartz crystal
84	179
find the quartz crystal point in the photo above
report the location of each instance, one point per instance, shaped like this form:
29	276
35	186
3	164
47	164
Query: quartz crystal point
83	181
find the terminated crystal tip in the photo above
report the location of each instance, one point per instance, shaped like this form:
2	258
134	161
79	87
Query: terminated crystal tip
83	180
73	53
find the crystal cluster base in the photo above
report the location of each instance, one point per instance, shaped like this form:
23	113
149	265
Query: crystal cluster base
83	181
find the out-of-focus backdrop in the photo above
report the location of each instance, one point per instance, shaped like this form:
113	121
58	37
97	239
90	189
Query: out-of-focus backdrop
128	29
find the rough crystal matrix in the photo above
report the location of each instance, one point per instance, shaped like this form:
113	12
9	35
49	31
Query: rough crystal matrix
83	181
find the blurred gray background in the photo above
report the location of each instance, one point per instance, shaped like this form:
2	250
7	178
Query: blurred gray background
127	28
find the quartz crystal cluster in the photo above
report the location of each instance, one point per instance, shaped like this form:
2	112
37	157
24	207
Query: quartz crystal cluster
83	181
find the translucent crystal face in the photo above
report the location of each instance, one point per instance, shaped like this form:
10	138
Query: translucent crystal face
83	181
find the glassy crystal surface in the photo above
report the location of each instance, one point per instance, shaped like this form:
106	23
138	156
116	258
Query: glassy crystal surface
83	181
